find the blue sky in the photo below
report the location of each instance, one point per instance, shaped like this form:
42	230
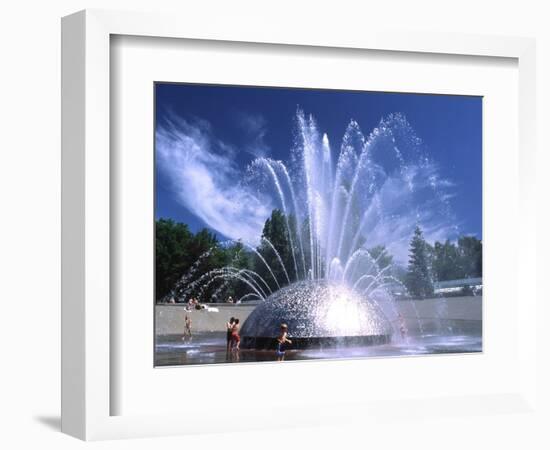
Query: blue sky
227	127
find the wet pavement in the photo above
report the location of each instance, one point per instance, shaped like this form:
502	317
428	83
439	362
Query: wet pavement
210	347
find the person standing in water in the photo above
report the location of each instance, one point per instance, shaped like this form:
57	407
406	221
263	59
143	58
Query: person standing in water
282	339
235	338
402	326
187	328
229	328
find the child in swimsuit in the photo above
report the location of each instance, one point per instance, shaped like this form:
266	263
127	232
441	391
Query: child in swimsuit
235	338
229	326
282	339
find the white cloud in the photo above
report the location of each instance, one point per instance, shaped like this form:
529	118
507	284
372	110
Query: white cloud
255	129
206	180
398	209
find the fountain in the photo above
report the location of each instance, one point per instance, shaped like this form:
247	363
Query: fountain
336	291
319	314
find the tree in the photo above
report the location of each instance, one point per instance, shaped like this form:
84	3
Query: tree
470	252
456	261
171	257
418	279
276	232
447	264
182	257
238	257
381	255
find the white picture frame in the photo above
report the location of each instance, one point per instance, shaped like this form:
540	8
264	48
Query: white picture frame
86	247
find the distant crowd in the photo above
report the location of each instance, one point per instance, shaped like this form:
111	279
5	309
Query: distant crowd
193	303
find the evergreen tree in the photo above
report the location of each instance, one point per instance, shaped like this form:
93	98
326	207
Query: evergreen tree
418	279
275	231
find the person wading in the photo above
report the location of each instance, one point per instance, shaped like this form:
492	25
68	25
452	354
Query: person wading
282	340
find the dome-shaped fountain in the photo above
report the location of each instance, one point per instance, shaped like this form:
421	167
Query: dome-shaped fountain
318	313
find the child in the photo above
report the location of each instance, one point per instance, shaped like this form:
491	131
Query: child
402	326
282	339
235	338
229	326
187	329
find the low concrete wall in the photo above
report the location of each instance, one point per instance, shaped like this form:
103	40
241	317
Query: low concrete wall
456	313
170	319
456	308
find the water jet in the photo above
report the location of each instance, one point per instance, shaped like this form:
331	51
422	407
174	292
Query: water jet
318	314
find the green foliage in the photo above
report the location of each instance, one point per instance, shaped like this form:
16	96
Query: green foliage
442	262
418	279
172	255
178	251
238	257
381	255
446	264
275	231
456	261
470	251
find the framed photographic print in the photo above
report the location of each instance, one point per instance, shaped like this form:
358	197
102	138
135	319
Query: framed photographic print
317	217
277	240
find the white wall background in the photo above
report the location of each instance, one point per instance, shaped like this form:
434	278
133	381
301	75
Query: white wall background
30	199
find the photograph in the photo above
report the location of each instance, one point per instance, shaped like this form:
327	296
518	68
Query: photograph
296	224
